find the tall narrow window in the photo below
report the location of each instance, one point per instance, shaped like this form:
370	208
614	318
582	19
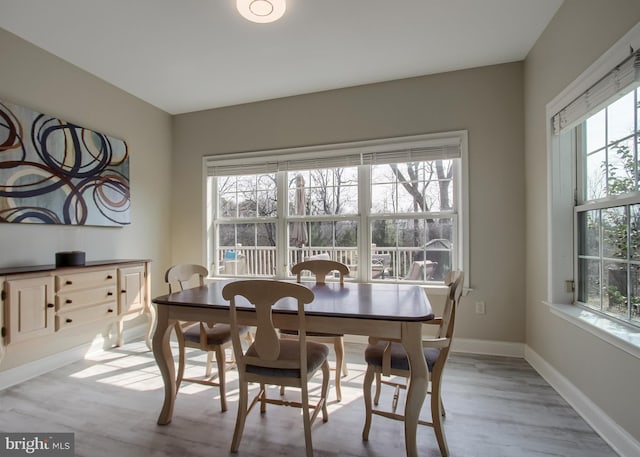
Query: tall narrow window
600	131
608	209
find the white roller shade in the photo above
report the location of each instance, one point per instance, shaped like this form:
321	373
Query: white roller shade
619	81
383	151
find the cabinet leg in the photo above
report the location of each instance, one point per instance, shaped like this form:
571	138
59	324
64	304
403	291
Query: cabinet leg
119	332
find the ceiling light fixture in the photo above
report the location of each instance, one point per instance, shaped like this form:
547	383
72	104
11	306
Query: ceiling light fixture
261	10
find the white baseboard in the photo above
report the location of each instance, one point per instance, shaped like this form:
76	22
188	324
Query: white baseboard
42	366
39	367
621	441
487	347
468	346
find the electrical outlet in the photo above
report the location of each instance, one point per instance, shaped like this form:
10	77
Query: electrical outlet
480	307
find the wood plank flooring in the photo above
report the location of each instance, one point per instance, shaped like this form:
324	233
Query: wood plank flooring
496	407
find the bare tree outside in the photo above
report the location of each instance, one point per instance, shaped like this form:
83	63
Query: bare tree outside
404	196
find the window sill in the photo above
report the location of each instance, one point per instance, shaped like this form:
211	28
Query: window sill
624	337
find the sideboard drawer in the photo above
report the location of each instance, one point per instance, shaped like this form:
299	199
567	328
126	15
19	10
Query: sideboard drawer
72	281
85	297
81	316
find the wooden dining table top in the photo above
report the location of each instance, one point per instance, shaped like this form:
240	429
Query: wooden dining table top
377	301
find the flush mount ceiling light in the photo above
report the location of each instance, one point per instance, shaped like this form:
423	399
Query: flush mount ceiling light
261	10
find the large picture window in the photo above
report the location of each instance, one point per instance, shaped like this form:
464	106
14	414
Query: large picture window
390	209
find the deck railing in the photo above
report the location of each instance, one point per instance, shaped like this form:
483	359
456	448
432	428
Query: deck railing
387	263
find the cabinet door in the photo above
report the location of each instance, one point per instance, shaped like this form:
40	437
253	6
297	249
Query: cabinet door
132	283
31	308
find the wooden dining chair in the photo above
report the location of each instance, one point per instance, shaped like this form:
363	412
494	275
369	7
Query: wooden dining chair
321	268
213	338
388	358
272	360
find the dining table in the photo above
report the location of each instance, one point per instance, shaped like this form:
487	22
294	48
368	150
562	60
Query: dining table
382	310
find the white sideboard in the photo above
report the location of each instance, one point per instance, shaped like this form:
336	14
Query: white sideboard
45	301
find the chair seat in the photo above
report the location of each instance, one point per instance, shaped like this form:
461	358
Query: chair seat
217	335
310	334
399	360
290	350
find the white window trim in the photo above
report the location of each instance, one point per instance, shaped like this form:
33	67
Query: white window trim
356	147
560	195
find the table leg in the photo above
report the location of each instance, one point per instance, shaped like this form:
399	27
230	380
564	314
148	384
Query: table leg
151	320
164	359
418	384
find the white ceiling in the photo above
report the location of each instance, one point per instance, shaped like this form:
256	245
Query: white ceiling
189	55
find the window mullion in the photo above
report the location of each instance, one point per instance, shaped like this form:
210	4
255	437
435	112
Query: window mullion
635	137
627	211
601	255
364	234
282	225
212	239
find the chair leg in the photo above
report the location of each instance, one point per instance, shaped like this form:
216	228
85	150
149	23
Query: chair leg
221	361
181	356
207	371
345	369
306	419
338	347
263	398
436	416
242	415
366	388
324	390
378	388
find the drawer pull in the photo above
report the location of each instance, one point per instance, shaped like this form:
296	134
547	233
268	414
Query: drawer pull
109	293
109	277
123	291
69	320
68	283
109	310
50	305
69	300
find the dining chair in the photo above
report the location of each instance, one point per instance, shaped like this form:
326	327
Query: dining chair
321	268
213	338
272	360
388	358
421	270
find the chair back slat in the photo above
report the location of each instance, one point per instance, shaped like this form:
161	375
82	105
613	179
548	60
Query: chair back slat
266	337
263	294
320	268
183	274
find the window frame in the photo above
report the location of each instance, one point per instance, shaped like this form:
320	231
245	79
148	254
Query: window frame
583	204
342	154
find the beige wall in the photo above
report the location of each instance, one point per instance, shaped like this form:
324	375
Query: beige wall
485	101
581	31
33	78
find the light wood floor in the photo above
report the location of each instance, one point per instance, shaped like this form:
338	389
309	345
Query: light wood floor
495	407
